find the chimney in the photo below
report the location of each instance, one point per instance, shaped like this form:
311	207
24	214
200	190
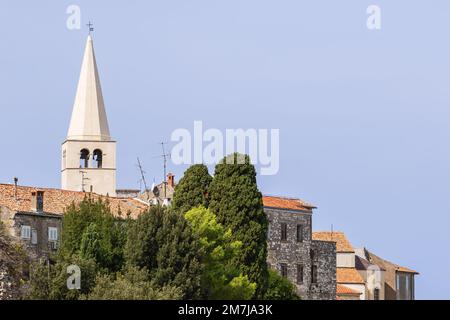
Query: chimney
34	201
37	201
16	181
171	180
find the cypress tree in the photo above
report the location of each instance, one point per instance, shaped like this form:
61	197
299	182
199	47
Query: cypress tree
163	242
192	189
235	199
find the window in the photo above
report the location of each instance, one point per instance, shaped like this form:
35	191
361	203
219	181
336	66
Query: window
283	232
299	233
376	294
84	158
284	271
39	201
314	274
52	234
299	274
33	236
25	232
97	158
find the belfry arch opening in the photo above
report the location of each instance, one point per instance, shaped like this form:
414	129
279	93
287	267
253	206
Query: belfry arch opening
84	158
97	159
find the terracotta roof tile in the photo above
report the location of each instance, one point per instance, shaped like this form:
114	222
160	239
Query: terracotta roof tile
57	200
342	243
344	290
287	203
386	264
404	269
348	275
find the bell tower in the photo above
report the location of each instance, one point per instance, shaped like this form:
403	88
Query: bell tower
88	153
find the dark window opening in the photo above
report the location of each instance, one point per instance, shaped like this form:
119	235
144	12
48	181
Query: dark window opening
299	233
283	232
84	158
314	274
312	254
376	294
97	158
284	271
40	201
299	274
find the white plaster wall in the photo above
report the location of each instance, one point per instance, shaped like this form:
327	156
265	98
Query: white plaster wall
345	260
102	180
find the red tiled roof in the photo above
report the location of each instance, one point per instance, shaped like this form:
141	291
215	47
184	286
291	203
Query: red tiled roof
57	200
348	275
287	203
342	243
346	291
387	265
404	269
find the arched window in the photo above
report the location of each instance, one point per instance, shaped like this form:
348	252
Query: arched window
84	158
97	158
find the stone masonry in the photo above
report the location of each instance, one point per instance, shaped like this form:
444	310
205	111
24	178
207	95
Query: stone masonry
310	265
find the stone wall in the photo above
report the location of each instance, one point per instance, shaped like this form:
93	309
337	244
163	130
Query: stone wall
324	258
290	252
306	253
39	222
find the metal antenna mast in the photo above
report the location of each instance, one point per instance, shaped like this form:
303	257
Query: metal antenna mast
164	156
143	178
142	174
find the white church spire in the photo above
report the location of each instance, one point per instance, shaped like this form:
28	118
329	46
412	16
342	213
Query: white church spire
89	120
88	153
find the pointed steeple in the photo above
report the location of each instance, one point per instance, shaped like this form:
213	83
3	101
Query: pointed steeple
89	121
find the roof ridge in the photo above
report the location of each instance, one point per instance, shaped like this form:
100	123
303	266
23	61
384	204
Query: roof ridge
63	190
281	197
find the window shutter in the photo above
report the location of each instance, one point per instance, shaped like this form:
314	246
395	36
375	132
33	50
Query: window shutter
52	234
25	232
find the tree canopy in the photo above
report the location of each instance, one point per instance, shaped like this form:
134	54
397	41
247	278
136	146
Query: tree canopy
192	189
235	199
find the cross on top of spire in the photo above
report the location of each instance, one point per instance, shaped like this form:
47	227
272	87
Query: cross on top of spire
90	26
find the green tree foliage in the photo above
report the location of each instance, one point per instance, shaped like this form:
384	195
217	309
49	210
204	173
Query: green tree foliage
235	198
90	247
192	189
14	265
280	288
89	226
93	239
49	281
221	279
134	284
162	241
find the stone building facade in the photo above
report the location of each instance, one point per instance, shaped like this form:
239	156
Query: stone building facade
309	264
39	232
34	215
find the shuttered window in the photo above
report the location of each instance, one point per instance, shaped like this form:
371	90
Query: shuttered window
25	232
52	234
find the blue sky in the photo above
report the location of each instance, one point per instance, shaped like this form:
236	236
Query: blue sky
364	116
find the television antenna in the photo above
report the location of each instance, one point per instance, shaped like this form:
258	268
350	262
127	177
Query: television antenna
141	170
165	156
